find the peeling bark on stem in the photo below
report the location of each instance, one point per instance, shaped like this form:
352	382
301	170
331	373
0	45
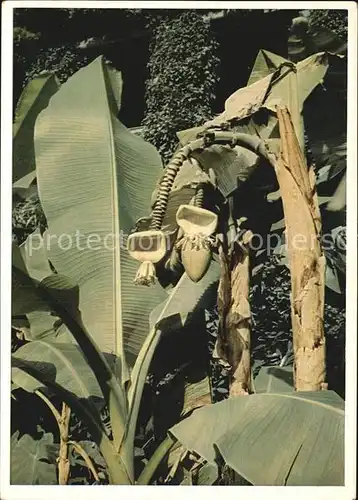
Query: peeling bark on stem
63	461
239	323
234	341
306	260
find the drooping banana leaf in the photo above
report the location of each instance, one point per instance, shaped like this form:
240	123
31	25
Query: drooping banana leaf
31	258
33	379
232	166
251	109
33	100
290	85
294	89
324	111
246	101
24	299
30	460
272	439
62	368
95	179
59	363
59	294
326	123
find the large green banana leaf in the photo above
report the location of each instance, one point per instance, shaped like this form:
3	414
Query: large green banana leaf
95	180
34	98
272	439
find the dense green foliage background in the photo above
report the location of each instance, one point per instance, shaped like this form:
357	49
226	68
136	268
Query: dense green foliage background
42	37
180	90
334	20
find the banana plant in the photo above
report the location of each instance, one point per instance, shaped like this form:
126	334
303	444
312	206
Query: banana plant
92	332
87	319
79	372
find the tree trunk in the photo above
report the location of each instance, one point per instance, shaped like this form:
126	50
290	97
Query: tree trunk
306	261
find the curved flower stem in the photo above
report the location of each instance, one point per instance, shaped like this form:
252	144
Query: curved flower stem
52	407
155	460
85	457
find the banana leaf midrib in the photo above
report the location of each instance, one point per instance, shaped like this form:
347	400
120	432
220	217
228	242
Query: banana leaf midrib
115	228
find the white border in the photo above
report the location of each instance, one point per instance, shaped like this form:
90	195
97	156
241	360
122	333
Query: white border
8	492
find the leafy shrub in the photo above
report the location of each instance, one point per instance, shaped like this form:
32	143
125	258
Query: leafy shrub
182	78
27	216
270	305
63	61
334	20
